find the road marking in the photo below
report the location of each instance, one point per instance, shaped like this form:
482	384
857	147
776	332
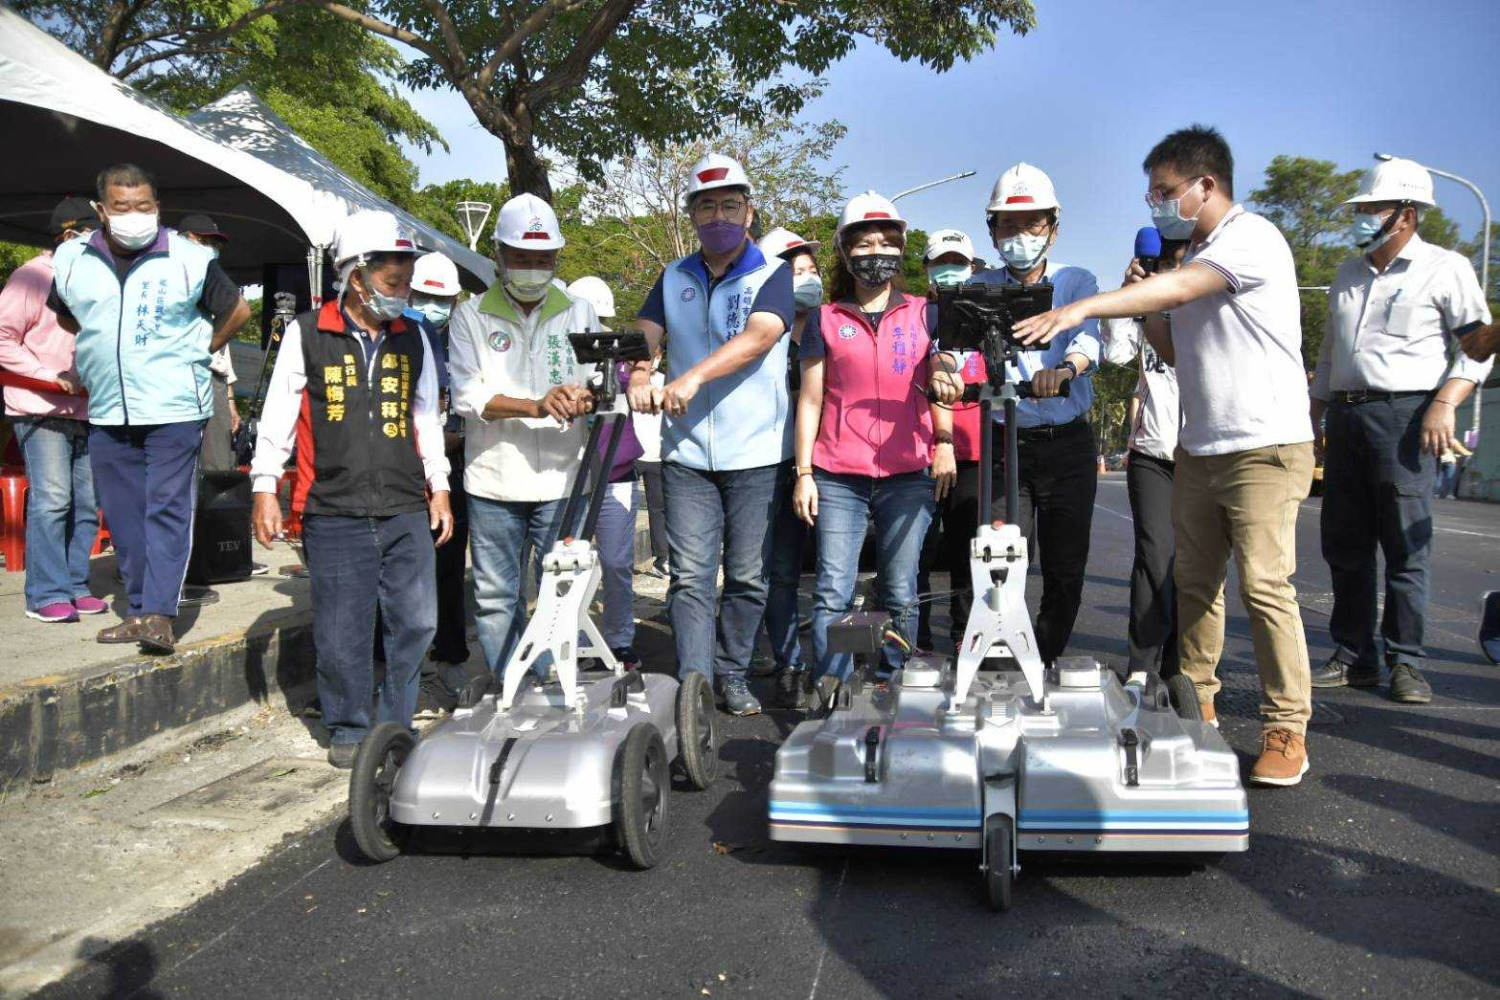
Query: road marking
822	955
1111	510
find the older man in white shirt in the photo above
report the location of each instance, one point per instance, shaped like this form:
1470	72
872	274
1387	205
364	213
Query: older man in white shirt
1388	391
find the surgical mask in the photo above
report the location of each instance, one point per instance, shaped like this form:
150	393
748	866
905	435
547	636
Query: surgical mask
1167	217
949	275
384	307
134	230
528	284
1371	232
808	292
721	236
1024	251
435	311
875	268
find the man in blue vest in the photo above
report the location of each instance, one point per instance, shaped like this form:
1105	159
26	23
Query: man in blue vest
149	307
727	428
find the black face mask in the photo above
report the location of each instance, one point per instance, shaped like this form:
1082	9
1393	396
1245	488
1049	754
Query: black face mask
875	268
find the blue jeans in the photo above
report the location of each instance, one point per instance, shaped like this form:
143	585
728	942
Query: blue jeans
357	565
714	516
614	537
901	507
501	536
62	516
788	537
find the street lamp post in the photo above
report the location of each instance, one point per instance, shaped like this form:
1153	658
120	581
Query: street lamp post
472	216
931	184
1484	255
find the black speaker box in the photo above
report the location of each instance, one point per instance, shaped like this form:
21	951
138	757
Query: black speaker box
221	530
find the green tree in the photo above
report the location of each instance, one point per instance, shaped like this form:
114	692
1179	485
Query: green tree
592	79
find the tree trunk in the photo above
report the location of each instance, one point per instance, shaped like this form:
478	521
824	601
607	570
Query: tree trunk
526	171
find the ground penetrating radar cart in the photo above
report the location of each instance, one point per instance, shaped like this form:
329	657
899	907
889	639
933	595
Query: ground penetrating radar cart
541	749
996	751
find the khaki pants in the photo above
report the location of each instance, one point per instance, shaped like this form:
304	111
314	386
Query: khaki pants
1246	504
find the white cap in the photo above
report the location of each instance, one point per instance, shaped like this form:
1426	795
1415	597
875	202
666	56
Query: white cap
778	241
1395	180
949	241
436	275
526	222
869	207
1022	188
716	171
596	293
365	234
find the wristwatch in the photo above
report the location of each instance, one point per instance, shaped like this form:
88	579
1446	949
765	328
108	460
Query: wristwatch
804	470
942	437
1067	366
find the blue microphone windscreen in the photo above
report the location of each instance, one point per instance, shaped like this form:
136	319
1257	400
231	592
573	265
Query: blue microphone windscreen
1148	242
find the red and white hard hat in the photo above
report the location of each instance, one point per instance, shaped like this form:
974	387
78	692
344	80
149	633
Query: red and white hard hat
779	241
436	275
526	222
870	207
364	234
1395	180
717	171
1022	188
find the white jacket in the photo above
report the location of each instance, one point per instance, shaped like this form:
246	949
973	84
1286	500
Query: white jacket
495	349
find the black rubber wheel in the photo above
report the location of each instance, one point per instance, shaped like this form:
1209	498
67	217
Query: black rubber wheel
997	877
697	731
1185	698
640	795
371	783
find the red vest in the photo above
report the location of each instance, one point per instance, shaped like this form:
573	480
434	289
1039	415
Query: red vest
876	421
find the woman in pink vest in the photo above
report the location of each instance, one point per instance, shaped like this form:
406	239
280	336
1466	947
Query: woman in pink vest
867	435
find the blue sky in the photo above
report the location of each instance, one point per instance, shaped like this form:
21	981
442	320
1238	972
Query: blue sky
1087	93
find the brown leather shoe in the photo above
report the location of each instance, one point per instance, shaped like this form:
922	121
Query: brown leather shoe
156	634
1283	758
129	630
1209	715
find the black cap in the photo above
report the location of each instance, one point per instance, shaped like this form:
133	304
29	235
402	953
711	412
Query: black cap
201	225
71	213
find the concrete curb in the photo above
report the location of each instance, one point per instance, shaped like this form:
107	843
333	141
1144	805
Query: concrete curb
53	723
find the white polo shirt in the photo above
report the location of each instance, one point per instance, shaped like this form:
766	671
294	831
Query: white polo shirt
1388	330
1156	425
1239	352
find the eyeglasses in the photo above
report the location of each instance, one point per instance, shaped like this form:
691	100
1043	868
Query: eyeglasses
1155	198
731	209
1013	227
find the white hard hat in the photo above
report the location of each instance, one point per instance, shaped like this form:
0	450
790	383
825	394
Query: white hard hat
949	241
526	222
1395	180
869	207
364	234
716	171
1022	188
778	241
435	274
596	293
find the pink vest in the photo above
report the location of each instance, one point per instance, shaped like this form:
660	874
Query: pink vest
876	420
966	415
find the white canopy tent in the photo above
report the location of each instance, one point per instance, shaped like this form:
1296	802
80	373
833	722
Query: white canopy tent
66	119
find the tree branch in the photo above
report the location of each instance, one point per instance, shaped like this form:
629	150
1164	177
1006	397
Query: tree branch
571	71
517	37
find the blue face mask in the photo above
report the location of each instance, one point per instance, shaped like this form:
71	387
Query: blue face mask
435	311
808	292
949	275
1366	233
1024	251
1167	217
384	307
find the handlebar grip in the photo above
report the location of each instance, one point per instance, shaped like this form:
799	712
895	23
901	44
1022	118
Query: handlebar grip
1023	389
970	393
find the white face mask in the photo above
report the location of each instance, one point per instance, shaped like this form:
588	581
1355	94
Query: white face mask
133	230
384	307
528	285
1024	251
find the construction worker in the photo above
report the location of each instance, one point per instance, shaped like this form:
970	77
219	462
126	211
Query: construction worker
1389	395
1058	463
724	311
356	387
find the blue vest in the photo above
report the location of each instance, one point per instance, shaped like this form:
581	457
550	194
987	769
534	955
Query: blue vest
740	421
142	343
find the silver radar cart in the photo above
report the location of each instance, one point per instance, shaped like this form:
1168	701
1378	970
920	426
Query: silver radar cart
999	752
540	748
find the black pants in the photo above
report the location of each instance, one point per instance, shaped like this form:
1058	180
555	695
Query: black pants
947	548
656	516
450	645
1153	597
1058	480
1377	491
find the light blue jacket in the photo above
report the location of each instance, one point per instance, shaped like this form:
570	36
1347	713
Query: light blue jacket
142	341
740	421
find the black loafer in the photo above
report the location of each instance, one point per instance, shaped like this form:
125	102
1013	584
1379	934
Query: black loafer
1336	674
341	755
1409	686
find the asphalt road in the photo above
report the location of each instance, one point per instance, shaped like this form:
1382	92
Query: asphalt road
1377	876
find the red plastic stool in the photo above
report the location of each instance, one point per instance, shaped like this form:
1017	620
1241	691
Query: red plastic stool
292	523
13	490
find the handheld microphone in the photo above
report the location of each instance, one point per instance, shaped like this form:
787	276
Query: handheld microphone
1148	248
